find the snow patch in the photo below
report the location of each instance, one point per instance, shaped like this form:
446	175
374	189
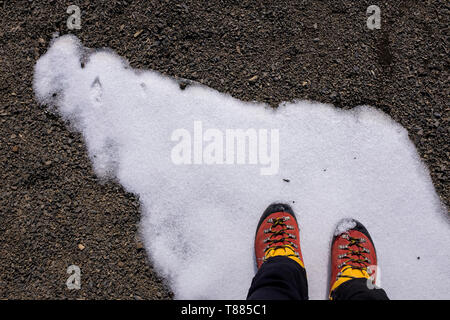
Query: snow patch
198	221
344	225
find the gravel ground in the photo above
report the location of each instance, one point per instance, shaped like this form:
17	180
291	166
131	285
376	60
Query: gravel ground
53	210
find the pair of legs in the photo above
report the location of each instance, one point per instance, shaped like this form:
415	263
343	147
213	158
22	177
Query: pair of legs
281	272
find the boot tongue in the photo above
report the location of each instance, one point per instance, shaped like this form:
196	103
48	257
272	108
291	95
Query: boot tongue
358	247
282	236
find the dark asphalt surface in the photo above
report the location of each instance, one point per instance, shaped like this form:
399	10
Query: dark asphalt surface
53	210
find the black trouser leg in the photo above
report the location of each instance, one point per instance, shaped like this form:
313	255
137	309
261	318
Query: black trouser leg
279	278
357	289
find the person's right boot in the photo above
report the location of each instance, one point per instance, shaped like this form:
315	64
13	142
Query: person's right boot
353	254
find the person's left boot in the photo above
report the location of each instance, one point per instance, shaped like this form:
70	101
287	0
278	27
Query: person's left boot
278	234
353	254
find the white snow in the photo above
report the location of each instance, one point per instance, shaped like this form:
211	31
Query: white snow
344	225
198	220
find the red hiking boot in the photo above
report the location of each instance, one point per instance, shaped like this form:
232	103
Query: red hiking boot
353	254
277	234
